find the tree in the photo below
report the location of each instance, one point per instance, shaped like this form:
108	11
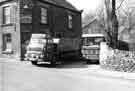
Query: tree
126	18
111	25
108	20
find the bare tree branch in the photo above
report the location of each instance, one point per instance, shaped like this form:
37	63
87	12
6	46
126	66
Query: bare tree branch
120	4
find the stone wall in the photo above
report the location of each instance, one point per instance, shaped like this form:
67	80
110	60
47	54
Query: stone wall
105	52
117	60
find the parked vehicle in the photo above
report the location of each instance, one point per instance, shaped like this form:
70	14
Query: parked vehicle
44	48
39	49
91	46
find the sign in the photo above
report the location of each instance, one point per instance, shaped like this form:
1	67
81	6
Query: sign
26	19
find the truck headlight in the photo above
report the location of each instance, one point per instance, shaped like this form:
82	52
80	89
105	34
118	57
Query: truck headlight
26	55
41	56
37	56
32	55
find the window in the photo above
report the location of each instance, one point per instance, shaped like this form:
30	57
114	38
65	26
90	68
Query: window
70	21
6	15
44	15
7	42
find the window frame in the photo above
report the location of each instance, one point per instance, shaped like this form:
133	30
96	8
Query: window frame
43	16
70	21
6	15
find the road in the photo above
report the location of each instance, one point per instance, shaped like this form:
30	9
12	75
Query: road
22	76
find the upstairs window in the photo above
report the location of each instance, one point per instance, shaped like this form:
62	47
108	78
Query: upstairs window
44	19
70	21
6	15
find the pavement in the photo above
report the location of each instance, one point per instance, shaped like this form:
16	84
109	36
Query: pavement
87	68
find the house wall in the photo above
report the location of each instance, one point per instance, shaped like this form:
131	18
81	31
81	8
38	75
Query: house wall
26	16
58	21
13	28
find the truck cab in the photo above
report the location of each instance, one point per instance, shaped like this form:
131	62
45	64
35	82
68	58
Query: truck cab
41	49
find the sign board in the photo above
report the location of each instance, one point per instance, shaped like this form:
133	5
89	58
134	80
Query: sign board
26	19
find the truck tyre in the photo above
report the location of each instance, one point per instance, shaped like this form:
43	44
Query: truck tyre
53	61
34	62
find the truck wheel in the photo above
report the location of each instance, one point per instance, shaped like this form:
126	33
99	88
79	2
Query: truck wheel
34	62
53	62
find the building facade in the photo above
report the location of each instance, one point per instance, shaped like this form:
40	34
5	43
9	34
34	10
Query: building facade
20	18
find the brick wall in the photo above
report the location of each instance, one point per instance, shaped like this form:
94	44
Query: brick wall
58	21
60	24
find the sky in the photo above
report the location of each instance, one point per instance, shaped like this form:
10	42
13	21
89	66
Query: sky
86	5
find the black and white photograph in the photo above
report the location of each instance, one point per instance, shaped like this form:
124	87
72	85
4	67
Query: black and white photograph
67	45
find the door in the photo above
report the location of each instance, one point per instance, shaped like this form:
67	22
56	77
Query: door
25	38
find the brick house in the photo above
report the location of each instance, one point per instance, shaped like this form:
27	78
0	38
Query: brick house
20	18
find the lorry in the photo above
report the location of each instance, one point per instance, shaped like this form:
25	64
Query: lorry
44	48
40	48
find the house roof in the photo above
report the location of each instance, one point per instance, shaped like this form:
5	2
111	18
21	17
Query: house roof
90	22
63	3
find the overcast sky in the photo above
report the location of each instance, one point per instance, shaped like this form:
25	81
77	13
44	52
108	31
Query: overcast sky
86	5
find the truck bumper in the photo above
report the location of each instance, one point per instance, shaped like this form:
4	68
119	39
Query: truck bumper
33	59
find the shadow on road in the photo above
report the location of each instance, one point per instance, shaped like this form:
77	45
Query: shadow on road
70	63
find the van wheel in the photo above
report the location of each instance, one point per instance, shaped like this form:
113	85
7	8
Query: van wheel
34	62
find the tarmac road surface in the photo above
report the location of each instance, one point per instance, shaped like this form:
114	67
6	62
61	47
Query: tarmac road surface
22	76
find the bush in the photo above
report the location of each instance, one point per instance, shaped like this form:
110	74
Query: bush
121	61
